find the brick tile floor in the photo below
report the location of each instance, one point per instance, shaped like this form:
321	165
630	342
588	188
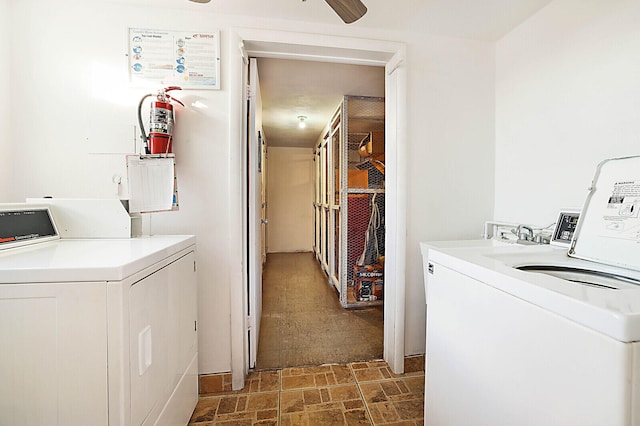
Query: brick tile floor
359	393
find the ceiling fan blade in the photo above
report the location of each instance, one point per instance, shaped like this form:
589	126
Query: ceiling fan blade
349	10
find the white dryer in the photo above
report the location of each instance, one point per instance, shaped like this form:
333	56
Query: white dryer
94	331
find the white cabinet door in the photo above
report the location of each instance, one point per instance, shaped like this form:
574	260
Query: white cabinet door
183	297
163	338
149	343
183	360
53	359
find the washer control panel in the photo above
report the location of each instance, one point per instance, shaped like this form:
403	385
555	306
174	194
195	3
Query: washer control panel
565	228
26	226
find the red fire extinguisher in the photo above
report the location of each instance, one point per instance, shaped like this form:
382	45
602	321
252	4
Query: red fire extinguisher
159	140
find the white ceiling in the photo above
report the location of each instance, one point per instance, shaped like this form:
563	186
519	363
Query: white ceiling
293	88
476	19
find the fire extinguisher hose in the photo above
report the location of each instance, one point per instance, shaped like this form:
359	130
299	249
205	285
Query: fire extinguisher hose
143	133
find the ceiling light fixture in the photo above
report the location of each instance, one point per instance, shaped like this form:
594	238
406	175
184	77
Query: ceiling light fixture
302	124
200	1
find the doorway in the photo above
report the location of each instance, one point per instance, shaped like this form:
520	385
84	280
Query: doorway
264	43
302	321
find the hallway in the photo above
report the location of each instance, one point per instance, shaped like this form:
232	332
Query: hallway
303	322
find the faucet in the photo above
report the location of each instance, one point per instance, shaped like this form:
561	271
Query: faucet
524	233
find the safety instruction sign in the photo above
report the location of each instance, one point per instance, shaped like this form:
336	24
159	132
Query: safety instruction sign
621	217
608	230
175	58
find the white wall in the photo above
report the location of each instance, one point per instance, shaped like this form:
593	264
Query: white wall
5	87
70	98
567	97
450	155
290	199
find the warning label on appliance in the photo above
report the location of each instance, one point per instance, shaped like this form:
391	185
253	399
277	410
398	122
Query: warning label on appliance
180	58
621	217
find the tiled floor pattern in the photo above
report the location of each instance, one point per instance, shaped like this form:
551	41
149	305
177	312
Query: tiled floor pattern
360	393
303	322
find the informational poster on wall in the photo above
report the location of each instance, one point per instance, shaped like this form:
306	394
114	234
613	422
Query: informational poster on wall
190	60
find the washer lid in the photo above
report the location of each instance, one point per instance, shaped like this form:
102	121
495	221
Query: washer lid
608	230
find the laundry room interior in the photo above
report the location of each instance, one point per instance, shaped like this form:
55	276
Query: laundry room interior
499	122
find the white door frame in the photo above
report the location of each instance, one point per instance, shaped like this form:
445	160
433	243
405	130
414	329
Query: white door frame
391	55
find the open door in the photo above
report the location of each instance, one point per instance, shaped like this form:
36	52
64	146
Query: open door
256	220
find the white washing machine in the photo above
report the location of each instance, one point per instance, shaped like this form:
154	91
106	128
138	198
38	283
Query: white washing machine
541	335
98	331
